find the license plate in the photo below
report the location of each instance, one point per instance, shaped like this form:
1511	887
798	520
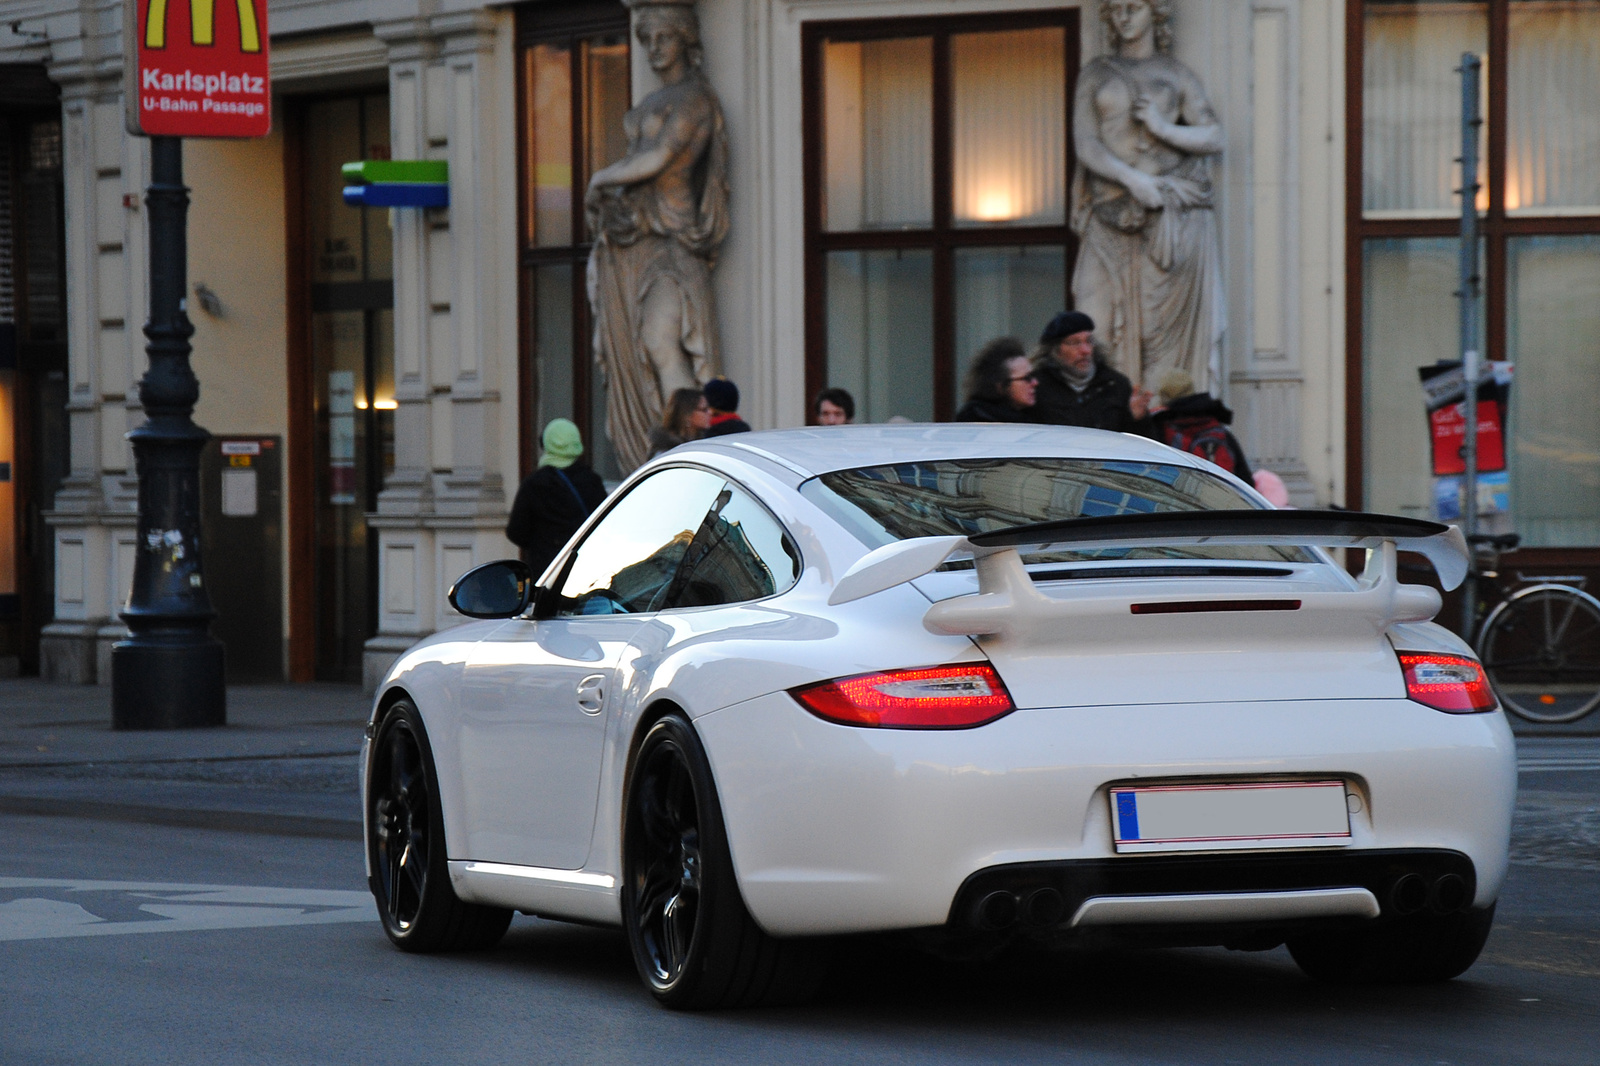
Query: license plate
1263	814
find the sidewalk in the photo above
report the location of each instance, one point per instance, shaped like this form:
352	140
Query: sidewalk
286	762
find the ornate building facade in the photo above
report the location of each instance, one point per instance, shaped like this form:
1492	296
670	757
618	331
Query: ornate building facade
900	189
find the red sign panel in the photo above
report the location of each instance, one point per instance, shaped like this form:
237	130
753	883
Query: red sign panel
1450	438
198	68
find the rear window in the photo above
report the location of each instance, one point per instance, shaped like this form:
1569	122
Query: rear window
883	504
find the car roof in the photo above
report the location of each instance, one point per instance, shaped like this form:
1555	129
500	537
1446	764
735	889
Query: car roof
821	449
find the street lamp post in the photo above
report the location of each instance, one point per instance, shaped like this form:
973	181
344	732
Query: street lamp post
168	673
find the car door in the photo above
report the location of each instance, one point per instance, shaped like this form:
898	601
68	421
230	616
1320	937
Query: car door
538	693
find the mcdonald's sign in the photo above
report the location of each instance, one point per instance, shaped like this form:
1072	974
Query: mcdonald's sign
197	68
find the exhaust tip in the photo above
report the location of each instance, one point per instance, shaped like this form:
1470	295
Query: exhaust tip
997	910
1043	906
1449	894
1409	894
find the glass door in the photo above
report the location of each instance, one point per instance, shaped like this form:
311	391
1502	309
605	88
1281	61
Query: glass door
33	387
352	367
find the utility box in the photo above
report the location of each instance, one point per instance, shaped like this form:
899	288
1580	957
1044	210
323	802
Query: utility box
241	505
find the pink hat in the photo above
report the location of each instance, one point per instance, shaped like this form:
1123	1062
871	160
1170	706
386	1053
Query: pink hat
1272	487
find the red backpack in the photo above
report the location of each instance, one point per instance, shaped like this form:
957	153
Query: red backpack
1203	436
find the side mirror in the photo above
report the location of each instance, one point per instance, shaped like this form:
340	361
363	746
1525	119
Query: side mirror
500	589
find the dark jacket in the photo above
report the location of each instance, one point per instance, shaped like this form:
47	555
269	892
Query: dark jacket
550	506
663	439
723	424
1101	405
988	409
1195	424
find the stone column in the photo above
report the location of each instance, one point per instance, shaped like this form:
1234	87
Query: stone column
1283	307
94	514
443	510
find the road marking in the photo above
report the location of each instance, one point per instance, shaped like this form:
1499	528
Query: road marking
36	909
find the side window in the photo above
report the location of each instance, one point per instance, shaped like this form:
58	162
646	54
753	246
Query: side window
739	553
628	562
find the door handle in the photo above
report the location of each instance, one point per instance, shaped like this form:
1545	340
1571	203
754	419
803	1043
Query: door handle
592	694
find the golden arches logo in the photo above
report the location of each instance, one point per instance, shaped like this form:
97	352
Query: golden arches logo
202	24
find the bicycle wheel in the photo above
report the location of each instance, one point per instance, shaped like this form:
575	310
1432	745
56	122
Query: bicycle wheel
1541	650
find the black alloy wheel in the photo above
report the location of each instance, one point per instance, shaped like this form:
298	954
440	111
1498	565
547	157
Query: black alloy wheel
667	874
693	941
405	848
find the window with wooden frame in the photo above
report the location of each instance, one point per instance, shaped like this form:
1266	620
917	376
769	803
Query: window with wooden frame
573	91
1540	252
938	160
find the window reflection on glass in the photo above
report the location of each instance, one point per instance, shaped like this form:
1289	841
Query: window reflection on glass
1552	122
1010	135
606	101
739	553
581	79
1411	100
878	129
1006	292
627	562
883	504
1409	315
352	358
1553	337
39	311
552	340
549	74
333	138
880	332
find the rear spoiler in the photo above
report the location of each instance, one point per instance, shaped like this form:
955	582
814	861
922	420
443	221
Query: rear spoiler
1006	597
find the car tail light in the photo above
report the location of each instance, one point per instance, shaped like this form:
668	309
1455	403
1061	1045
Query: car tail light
1451	683
935	697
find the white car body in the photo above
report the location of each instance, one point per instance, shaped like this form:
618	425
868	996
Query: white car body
837	829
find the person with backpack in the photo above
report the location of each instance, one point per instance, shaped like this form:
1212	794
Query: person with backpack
554	500
1197	423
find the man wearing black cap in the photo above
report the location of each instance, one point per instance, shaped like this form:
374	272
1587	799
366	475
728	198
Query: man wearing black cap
722	396
1076	387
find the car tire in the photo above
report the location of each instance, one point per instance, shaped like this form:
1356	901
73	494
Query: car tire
693	941
410	879
1417	949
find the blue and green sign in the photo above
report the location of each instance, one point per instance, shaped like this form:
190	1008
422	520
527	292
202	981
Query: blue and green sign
397	183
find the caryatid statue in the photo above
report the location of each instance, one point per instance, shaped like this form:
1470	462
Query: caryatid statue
659	216
1149	270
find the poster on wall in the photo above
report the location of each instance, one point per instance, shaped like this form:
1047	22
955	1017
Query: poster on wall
196	69
1444	389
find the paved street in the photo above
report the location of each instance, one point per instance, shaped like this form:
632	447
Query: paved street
198	898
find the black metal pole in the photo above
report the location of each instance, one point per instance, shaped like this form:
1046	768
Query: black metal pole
168	673
1471	66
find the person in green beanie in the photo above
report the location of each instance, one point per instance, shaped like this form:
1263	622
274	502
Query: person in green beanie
555	499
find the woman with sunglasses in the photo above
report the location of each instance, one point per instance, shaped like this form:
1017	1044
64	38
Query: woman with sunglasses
1000	384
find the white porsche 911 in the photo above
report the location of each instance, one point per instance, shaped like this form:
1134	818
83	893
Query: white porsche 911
988	683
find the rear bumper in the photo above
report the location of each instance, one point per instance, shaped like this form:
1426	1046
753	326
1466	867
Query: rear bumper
835	829
1252	893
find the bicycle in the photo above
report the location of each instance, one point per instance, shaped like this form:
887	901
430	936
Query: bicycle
1540	646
